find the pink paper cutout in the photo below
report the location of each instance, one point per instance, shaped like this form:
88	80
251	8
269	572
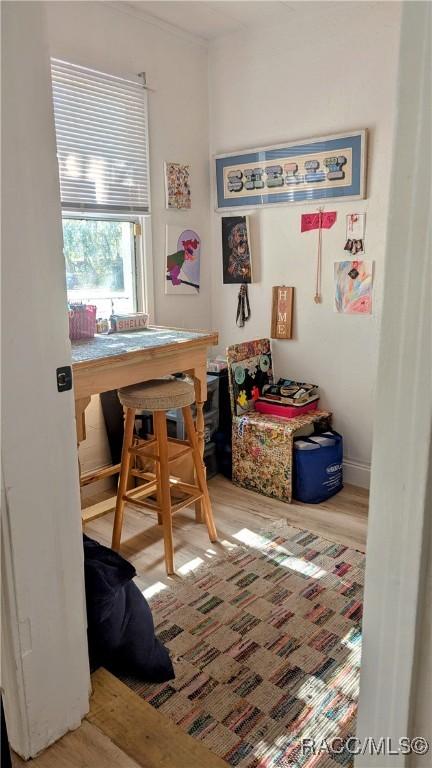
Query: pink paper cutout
312	220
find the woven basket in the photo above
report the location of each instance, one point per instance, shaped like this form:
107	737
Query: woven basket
82	321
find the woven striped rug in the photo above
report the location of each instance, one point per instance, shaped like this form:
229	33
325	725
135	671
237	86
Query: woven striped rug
266	648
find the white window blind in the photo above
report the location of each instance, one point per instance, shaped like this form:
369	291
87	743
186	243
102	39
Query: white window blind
102	146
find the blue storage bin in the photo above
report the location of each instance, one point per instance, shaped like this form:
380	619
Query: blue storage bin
318	473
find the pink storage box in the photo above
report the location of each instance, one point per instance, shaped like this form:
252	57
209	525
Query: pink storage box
82	321
286	411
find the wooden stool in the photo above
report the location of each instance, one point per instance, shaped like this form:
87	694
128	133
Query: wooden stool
159	396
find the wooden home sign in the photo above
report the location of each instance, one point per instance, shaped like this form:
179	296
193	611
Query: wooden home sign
282	312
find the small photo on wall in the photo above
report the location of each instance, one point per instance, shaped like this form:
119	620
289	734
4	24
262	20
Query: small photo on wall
177	186
183	257
353	287
355	226
236	254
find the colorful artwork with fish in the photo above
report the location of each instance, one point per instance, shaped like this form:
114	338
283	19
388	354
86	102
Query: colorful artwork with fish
353	287
182	261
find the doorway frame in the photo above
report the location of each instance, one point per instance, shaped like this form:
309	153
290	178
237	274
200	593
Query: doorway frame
398	528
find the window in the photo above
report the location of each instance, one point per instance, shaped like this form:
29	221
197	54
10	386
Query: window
101	263
102	148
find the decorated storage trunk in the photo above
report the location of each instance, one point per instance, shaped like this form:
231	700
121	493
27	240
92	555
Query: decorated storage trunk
262	445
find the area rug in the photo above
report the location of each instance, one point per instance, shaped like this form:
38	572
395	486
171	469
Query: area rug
266	648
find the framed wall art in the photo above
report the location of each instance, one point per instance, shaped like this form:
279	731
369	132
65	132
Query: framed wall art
332	167
353	287
236	253
183	256
177	186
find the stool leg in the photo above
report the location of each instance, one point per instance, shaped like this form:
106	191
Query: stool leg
160	429
124	476
199	429
158	492
157	474
200	473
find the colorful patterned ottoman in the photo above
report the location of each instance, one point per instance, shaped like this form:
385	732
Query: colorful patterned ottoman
262	450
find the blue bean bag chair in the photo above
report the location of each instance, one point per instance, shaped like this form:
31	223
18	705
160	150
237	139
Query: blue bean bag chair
120	630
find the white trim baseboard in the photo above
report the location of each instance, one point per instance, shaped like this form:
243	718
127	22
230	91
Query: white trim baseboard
357	473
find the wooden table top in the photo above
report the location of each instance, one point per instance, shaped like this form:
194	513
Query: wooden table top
107	347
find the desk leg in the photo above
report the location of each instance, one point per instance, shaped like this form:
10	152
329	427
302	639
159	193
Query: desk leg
80	406
200	380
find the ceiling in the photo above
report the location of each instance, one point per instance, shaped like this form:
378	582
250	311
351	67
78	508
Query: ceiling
210	20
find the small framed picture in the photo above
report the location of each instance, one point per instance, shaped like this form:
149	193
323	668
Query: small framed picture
355	226
177	186
236	252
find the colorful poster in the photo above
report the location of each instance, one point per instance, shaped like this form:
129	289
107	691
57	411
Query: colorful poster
183	255
236	255
331	167
353	287
177	186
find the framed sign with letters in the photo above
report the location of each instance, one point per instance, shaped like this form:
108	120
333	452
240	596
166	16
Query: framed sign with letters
328	168
282	312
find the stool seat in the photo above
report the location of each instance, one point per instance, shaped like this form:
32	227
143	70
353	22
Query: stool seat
158	394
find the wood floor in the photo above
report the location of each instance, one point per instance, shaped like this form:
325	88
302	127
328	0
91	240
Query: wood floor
123	731
342	518
119	731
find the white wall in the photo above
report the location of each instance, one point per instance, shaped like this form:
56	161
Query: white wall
264	87
114	40
332	70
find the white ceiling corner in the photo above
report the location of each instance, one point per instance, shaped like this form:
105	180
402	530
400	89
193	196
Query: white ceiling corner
210	19
207	20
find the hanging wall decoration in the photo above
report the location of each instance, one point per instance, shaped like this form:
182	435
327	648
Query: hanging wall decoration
355	233
243	306
332	167
353	287
282	312
177	186
321	220
183	255
236	253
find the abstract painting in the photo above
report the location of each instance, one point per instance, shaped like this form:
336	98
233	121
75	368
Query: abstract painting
183	255
236	254
177	185
331	167
353	287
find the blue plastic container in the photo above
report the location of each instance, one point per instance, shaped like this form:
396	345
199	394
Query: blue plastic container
318	473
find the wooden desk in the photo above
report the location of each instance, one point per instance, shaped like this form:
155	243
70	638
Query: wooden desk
108	362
